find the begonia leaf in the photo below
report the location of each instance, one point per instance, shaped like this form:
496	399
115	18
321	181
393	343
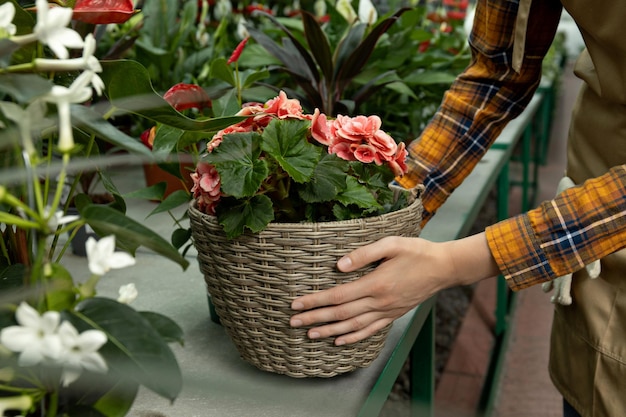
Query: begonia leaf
253	214
285	140
237	161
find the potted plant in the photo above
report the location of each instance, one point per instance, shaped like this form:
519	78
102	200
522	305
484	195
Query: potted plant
278	197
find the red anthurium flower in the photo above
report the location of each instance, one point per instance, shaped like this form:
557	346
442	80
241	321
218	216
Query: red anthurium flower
103	11
455	15
187	96
147	137
237	52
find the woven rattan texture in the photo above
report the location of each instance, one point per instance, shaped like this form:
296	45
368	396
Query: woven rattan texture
253	279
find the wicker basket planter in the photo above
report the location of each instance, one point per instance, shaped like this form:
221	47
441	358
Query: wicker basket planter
253	279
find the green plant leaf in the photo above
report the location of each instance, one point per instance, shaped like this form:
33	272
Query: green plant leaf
237	161
360	55
180	237
130	234
134	349
327	180
249	77
175	199
429	78
118	400
165	140
285	140
165	326
221	70
129	89
90	121
60	293
319	45
153	192
254	214
358	194
24	87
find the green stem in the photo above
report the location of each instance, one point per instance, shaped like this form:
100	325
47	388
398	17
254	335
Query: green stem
27	67
53	405
88	289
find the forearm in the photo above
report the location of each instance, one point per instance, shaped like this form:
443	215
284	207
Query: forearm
471	260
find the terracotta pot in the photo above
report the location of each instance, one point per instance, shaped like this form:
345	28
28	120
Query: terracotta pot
155	174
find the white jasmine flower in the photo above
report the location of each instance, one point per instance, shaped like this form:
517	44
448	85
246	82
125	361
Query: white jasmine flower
35	338
22	403
367	12
102	257
242	32
344	7
58	219
80	351
78	92
222	9
7	13
51	29
128	293
320	8
87	62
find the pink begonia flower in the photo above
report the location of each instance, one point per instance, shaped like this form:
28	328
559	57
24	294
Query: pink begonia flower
284	107
320	129
343	150
356	128
385	145
398	164
206	187
366	154
219	136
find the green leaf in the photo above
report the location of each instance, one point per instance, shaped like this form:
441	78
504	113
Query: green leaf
254	214
134	349
60	294
165	326
357	194
285	141
118	400
165	140
12	276
318	43
129	88
24	87
180	237
429	78
237	161
248	78
221	70
154	192
130	234
87	119
328	179
175	199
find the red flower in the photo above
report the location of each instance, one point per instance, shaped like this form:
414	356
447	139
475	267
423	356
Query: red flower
103	11
237	52
187	96
456	15
147	137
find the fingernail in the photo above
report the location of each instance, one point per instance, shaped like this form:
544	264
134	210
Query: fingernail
314	335
344	262
296	323
339	342
297	305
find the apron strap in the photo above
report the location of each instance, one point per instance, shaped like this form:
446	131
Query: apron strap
519	41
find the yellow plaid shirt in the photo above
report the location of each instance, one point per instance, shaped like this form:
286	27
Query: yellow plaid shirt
560	236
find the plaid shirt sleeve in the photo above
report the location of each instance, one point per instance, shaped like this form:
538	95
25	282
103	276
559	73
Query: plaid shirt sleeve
563	235
487	95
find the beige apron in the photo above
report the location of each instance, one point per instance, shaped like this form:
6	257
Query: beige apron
588	346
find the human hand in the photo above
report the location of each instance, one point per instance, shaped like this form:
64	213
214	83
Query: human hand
412	270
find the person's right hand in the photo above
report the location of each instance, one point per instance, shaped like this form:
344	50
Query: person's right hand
412	270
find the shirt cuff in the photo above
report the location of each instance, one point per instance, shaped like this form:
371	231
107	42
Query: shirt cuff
517	252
